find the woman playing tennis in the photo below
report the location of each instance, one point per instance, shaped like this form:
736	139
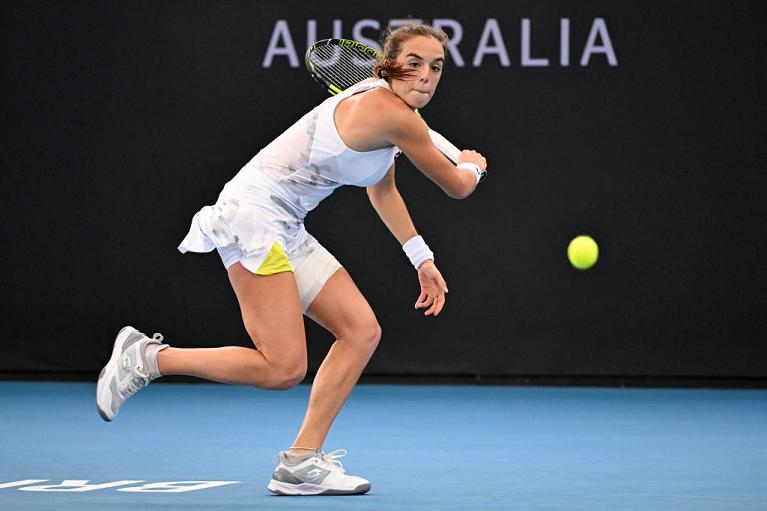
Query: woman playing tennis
279	271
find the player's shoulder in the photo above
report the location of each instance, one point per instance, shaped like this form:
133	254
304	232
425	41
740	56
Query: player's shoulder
381	96
387	106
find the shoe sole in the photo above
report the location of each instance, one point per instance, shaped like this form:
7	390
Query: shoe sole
104	376
307	489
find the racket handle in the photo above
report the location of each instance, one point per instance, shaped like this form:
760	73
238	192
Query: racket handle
445	146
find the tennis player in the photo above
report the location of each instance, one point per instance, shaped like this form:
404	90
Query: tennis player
279	271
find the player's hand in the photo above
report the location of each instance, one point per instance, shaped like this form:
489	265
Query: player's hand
474	157
433	289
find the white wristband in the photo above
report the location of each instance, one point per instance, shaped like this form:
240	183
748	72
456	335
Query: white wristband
472	167
417	251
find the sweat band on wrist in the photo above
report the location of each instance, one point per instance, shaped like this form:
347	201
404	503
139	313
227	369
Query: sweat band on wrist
417	251
478	173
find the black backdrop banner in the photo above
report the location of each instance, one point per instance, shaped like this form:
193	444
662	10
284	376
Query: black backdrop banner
640	123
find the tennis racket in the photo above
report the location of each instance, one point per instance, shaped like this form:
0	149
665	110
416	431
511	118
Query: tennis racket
337	64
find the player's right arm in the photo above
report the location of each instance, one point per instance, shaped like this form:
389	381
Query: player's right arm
402	127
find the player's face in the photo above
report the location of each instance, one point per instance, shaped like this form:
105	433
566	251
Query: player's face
423	57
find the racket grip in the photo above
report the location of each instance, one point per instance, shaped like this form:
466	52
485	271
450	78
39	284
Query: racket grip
445	146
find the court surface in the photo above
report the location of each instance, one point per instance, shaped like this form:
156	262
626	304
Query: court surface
422	447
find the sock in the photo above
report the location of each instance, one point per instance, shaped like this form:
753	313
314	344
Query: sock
151	357
297	457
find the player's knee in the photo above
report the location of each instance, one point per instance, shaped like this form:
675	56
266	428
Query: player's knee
366	335
375	335
287	376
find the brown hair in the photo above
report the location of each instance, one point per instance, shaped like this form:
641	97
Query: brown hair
387	67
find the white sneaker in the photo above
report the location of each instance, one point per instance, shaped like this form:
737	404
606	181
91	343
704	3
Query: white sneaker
315	473
128	370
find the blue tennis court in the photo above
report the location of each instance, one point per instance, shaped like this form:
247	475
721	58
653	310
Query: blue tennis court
423	448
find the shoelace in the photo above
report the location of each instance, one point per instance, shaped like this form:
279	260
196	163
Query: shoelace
330	460
138	381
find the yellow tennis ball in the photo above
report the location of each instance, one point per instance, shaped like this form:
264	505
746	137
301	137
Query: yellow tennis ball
583	252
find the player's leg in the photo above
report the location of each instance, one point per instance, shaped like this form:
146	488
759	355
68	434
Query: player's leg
271	311
340	308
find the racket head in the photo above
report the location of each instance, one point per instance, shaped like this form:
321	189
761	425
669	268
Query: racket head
337	64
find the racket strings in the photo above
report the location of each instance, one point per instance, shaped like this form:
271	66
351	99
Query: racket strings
342	66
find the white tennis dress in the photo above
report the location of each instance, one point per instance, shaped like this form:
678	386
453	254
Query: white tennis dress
267	201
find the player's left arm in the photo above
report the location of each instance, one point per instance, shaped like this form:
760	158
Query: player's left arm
391	208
